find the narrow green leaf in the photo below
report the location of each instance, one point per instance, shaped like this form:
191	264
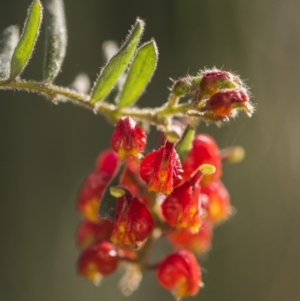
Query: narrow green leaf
115	67
140	74
56	38
27	41
108	203
8	42
185	144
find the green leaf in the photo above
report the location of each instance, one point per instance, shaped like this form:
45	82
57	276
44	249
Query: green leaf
115	67
108	202
27	41
8	42
56	38
185	144
140	74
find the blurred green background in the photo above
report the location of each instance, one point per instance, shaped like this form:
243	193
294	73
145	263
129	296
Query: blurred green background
47	150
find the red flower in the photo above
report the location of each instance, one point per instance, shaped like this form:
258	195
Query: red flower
128	139
204	151
199	242
133	222
182	208
161	169
90	194
219	208
107	162
98	260
89	233
180	273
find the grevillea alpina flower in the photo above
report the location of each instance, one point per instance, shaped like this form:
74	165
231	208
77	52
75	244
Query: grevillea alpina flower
180	273
128	139
98	260
218	204
182	208
89	233
161	169
226	103
204	151
199	242
90	194
133	222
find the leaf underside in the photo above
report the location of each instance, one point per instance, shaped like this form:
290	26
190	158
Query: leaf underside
8	42
56	38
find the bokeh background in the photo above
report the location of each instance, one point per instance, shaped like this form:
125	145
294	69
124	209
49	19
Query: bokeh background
47	150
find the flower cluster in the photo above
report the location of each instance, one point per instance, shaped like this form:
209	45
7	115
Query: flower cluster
133	197
181	196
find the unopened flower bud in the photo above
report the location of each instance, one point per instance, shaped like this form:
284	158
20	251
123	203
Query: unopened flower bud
128	139
215	81
225	103
183	86
180	273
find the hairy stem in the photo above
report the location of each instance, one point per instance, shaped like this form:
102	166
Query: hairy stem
155	116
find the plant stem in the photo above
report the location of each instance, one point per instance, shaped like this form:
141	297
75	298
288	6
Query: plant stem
155	116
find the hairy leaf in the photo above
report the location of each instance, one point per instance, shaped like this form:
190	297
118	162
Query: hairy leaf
108	202
27	41
140	74
115	67
8	42
56	38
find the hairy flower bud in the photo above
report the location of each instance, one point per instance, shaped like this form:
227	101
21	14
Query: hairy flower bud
216	80
180	273
225	104
89	233
218	204
133	222
128	139
98	260
204	151
161	169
